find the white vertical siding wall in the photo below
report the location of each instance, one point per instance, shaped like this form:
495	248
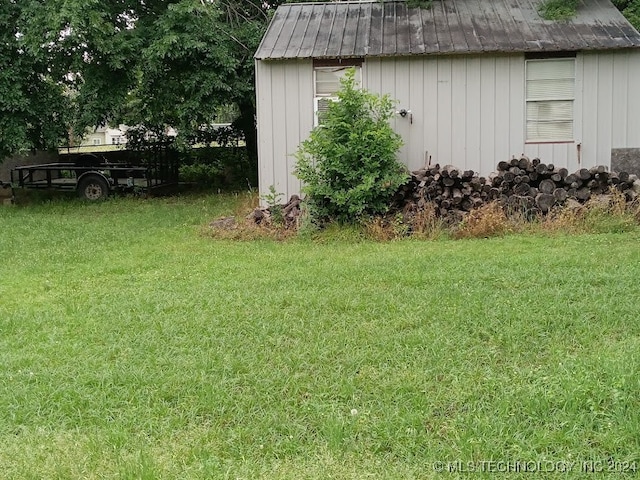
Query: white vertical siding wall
465	110
284	108
610	99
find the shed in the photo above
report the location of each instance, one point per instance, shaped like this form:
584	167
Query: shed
476	81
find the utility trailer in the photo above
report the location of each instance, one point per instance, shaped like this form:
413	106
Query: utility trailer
94	178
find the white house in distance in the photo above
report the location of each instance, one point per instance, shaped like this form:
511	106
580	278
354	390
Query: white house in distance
106	135
105	138
479	80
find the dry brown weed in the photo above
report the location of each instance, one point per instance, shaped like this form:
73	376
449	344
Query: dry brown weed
490	220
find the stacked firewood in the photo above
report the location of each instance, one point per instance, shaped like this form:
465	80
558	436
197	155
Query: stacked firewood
543	185
521	183
450	189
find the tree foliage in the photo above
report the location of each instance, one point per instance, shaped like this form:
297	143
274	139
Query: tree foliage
33	112
154	64
563	9
631	10
558	9
349	164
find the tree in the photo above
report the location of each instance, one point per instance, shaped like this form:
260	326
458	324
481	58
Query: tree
169	63
155	63
199	57
33	109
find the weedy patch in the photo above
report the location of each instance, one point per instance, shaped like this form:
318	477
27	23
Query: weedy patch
610	213
416	222
490	220
243	229
386	228
244	225
425	223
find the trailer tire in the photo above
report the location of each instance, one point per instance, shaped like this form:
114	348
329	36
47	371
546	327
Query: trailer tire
93	188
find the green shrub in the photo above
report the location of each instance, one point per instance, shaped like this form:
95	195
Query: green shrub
224	168
205	175
348	164
558	9
273	201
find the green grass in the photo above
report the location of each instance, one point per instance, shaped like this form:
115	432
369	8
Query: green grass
134	346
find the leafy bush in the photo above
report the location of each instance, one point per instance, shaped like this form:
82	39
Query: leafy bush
558	9
348	164
225	168
205	175
272	200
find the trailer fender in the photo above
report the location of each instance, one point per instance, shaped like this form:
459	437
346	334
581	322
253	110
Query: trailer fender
94	172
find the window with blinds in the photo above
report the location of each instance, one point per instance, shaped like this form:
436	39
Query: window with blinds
550	94
327	85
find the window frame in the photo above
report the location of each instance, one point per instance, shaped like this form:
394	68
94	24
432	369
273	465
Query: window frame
557	56
327	64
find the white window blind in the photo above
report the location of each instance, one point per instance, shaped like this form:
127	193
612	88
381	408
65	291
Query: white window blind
327	85
550	94
321	105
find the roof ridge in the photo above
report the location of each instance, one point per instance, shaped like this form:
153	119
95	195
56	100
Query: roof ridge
341	2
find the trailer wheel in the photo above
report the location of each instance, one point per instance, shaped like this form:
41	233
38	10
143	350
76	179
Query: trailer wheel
93	188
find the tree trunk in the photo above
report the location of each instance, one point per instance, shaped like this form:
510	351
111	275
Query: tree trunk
246	122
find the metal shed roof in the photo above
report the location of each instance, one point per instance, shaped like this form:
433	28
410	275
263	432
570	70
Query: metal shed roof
390	28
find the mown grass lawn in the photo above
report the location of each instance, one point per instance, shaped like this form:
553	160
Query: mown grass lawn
134	346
